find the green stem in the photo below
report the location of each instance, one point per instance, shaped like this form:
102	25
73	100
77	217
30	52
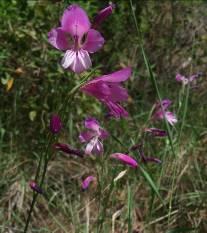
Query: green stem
47	158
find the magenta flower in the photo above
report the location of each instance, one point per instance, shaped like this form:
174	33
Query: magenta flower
68	149
92	136
86	182
125	159
55	124
156	132
76	37
184	80
108	90
33	185
103	14
161	112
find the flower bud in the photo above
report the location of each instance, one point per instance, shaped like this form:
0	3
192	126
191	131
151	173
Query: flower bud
33	185
55	124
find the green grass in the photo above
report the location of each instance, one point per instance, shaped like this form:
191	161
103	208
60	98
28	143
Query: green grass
155	38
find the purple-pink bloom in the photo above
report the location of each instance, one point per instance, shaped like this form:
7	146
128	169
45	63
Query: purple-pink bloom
108	90
55	124
156	132
103	14
76	37
68	149
93	136
86	182
125	159
184	80
33	185
161	112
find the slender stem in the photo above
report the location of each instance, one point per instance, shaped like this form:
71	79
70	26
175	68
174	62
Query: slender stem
35	194
47	158
151	75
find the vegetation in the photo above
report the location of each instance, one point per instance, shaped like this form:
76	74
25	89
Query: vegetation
157	39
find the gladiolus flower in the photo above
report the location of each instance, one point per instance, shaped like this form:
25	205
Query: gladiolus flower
86	182
93	136
108	90
161	113
33	185
77	38
125	159
68	149
55	124
156	132
103	14
184	80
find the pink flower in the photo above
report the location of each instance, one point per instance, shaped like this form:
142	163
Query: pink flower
92	136
161	112
86	182
108	90
126	159
76	37
103	14
184	80
55	124
156	132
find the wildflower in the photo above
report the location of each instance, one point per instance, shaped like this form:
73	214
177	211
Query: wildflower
33	185
86	182
108	90
77	38
144	158
161	112
92	136
126	159
184	80
68	149
103	14
156	132
55	124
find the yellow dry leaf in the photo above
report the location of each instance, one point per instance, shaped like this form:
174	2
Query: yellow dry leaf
9	84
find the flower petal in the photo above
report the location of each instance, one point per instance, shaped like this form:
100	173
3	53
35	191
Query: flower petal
90	146
116	110
126	159
103	14
81	62
58	39
86	182
75	21
68	59
92	123
118	76
164	103
180	78
171	118
94	41
86	136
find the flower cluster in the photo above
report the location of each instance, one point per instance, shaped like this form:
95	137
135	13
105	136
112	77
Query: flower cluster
78	38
